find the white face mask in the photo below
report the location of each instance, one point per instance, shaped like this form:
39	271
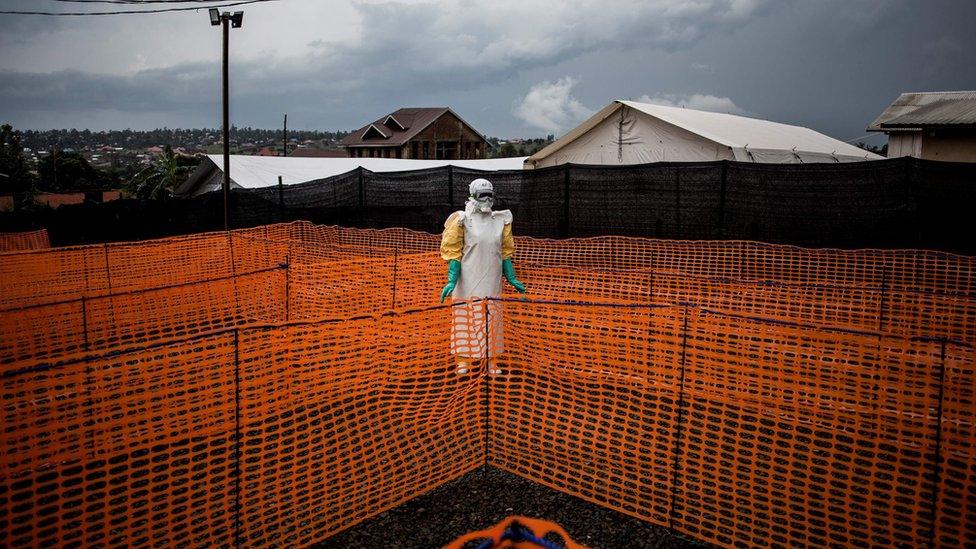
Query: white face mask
484	205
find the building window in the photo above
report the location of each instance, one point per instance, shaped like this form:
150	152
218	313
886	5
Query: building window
413	150
447	150
426	150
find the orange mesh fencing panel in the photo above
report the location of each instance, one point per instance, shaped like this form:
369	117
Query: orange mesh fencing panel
796	436
345	420
35	333
253	253
173	261
276	385
340	287
587	402
132	449
739	431
956	506
30	240
113	321
61	274
55	275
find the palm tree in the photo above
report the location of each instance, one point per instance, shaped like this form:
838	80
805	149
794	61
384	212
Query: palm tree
158	181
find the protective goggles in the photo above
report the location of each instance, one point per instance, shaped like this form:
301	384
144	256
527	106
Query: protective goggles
484	195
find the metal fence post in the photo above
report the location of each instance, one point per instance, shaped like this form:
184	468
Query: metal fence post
883	300
108	270
937	469
238	443
450	185
721	198
396	259
564	218
679	403
677	204
911	181
362	188
281	200
487	380
84	321
287	282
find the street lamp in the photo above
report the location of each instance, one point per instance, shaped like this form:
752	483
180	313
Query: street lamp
235	20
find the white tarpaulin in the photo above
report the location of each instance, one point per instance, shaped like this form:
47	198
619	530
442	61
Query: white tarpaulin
252	172
627	132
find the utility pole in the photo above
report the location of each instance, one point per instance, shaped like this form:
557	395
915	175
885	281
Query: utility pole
226	125
226	20
284	138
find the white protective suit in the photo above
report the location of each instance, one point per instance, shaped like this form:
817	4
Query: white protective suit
481	277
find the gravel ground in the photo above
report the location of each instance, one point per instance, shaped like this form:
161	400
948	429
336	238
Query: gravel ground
482	498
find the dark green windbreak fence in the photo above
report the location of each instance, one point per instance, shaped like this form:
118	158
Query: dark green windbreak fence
896	203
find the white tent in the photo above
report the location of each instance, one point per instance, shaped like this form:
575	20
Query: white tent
628	132
252	172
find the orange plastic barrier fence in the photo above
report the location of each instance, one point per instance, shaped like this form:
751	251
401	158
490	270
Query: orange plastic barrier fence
51	299
738	430
273	386
32	240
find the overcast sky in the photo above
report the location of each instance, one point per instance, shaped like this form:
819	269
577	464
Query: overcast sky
509	67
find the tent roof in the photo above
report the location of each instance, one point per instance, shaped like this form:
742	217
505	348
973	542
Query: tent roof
743	132
252	172
737	132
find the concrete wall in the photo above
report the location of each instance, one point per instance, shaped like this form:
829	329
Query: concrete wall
950	147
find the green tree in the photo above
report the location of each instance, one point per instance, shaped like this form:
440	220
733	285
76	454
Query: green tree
64	172
157	182
508	150
882	150
16	175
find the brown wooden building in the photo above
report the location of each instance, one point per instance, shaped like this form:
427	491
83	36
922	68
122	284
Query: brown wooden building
420	133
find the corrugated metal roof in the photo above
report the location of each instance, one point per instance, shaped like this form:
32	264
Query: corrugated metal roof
910	102
959	112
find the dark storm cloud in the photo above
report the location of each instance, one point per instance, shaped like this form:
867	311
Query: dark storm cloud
831	65
75	90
